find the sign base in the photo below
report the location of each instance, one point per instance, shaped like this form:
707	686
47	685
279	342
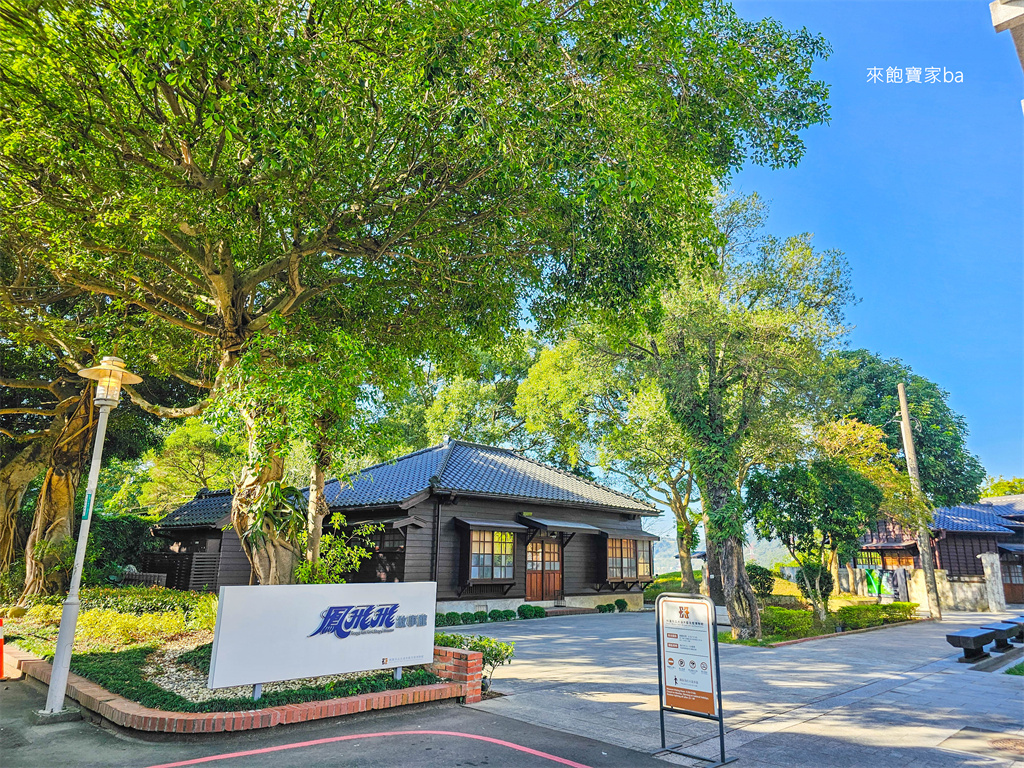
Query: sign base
713	762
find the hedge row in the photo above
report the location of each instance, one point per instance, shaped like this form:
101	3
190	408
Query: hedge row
861	616
619	605
454	618
137	600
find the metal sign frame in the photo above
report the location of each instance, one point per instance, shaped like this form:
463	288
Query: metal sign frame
662	709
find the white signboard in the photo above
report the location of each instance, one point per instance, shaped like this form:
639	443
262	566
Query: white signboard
270	633
687	659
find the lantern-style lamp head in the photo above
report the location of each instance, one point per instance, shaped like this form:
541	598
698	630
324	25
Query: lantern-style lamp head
109	375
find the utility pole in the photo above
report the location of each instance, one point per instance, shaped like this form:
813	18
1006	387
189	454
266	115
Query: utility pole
924	539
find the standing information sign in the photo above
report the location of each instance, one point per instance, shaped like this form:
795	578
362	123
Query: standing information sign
689	681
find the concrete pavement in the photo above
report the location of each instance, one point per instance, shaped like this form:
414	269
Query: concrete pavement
895	697
445	735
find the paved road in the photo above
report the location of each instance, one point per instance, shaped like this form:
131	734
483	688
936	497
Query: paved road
885	698
432	736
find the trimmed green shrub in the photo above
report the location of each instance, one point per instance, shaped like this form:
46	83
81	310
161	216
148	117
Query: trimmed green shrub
622	605
480	617
863	616
453	618
508	615
525	611
467	617
494	615
495	653
137	600
606	608
762	580
446	619
783	621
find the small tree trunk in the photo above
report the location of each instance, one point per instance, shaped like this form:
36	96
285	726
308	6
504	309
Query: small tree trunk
53	522
680	505
833	567
316	512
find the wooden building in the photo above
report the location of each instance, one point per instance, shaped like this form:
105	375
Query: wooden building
959	535
202	551
495	529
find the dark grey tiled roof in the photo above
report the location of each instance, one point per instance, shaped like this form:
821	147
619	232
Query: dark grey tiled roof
975	518
478	470
1005	505
208	508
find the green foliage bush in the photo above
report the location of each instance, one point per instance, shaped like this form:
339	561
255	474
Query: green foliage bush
467	617
790	623
452	618
531	612
114	542
494	615
621	604
762	580
862	616
495	653
606	608
137	600
508	615
480	617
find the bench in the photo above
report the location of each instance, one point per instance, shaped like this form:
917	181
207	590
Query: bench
1019	621
1003	630
973	642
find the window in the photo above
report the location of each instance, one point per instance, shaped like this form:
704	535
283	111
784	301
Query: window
621	559
386	539
491	556
869	558
643	560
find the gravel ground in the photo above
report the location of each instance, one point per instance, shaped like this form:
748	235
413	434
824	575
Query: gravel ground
163	669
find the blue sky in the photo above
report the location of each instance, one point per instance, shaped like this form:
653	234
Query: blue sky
921	186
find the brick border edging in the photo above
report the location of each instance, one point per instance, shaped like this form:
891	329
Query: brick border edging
463	668
847	632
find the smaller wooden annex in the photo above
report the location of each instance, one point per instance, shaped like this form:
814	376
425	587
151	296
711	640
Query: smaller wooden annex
202	551
493	528
959	535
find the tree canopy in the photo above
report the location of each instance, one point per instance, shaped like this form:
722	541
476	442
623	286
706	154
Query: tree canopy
813	508
950	473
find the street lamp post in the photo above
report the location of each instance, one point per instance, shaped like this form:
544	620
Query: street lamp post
108	375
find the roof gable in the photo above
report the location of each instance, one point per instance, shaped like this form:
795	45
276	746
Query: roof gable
476	470
973	518
207	509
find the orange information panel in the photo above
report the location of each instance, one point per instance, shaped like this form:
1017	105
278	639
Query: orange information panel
687	655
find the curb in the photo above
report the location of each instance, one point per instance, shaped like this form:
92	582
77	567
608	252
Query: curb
457	663
848	632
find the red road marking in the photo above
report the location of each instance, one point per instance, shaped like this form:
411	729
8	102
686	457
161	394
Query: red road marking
331	740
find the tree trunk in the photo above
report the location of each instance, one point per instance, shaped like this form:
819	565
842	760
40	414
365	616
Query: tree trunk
18	473
316	512
739	598
15	478
687	581
47	564
272	557
712	586
833	567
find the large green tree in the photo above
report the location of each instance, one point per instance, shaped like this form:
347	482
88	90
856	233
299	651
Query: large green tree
207	168
950	473
739	356
599	410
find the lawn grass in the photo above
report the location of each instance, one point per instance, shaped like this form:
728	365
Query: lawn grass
1016	669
